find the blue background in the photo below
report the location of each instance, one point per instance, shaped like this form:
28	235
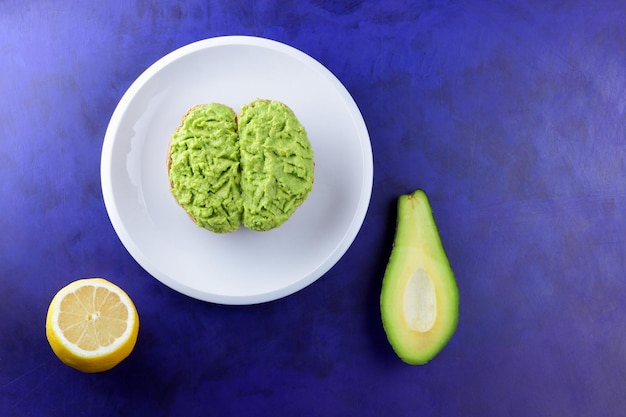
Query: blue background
510	114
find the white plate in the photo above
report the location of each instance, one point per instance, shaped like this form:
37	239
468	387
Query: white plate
243	267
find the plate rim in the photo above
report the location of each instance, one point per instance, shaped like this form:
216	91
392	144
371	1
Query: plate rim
358	217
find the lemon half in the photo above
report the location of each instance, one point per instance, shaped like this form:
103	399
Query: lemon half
92	325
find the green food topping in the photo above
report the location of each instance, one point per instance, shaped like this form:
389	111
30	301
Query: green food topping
276	163
254	170
204	171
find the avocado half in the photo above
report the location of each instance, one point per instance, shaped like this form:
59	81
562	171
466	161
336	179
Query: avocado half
419	299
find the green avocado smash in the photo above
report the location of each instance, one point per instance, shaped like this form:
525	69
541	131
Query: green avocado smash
204	167
253	170
276	164
419	299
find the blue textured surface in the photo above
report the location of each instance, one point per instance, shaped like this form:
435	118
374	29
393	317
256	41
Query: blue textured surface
511	115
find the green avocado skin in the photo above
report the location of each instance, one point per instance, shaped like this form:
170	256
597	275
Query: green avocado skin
204	168
277	165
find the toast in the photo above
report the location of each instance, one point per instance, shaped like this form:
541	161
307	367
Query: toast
253	169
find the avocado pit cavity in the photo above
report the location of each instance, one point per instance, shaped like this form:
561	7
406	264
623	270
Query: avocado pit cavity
420	302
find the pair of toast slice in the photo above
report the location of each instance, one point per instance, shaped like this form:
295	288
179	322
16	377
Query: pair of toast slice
253	169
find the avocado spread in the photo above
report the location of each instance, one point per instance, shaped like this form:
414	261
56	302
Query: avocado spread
276	164
204	167
255	169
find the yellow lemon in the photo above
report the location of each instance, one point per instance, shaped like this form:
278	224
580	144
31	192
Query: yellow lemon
92	325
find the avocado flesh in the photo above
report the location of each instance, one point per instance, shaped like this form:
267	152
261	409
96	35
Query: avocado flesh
419	298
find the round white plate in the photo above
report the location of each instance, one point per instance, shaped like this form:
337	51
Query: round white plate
243	267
